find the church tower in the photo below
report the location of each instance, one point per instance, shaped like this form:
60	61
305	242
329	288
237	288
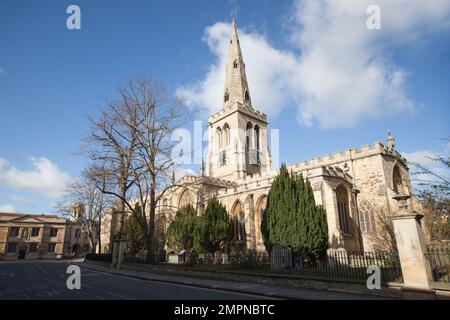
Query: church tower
238	136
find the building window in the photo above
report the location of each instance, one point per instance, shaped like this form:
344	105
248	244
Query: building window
235	64
397	180
226	97
33	247
219	138
226	129
12	247
235	228
343	208
35	232
239	222
51	247
261	205
258	157
366	217
14	232
53	232
249	136
78	233
25	233
246	95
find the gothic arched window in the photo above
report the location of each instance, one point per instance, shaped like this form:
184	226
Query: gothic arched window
343	208
248	141
249	135
246	95
235	64
397	180
219	138
366	217
238	222
261	205
226	129
257	144
187	197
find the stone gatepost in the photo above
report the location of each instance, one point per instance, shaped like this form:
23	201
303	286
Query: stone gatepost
411	249
119	248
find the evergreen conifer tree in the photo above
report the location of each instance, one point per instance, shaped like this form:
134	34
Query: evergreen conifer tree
214	228
292	218
180	234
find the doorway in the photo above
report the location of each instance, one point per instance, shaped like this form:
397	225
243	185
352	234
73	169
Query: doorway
22	253
77	252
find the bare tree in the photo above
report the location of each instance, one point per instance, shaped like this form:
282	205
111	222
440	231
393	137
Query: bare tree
136	146
111	145
86	204
156	118
433	190
384	237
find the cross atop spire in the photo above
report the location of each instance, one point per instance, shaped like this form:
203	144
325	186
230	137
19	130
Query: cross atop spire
236	86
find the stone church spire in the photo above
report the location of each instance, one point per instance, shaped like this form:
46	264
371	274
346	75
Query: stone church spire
236	86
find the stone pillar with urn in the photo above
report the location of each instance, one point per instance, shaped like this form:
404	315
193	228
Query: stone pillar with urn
411	249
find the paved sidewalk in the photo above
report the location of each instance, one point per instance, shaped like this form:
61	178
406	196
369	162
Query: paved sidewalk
242	287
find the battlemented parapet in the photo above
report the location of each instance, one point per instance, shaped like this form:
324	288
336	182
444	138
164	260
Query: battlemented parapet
237	107
346	156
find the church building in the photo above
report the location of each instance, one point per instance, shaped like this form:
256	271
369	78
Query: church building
355	186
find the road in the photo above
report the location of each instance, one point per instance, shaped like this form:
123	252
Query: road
29	280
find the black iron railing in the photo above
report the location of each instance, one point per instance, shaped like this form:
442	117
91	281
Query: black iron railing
439	259
337	265
105	257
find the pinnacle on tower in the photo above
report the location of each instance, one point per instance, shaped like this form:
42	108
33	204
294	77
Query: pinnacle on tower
236	86
390	141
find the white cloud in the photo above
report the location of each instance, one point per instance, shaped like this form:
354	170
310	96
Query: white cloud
7	208
269	71
180	172
45	178
343	73
19	199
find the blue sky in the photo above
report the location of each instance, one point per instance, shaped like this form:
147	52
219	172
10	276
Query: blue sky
324	79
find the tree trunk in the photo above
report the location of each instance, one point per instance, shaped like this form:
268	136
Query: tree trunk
150	257
151	228
91	244
99	237
122	206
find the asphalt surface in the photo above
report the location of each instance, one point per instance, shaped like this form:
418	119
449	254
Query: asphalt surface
46	280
